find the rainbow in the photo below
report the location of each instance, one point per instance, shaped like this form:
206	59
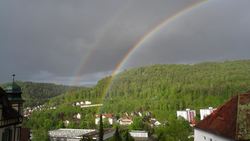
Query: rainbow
144	38
138	44
86	58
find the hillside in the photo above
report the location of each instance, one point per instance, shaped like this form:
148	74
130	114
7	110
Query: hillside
38	93
160	89
164	89
167	88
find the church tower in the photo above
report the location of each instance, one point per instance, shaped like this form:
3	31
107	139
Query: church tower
14	92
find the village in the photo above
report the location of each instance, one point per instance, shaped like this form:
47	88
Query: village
236	109
126	119
110	119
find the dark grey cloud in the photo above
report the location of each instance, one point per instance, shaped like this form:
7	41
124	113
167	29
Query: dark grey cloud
50	40
216	30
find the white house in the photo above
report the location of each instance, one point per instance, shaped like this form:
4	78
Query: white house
78	116
109	117
206	112
66	123
154	122
125	121
230	122
82	103
188	115
139	135
87	102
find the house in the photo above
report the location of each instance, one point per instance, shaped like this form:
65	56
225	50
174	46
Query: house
187	114
68	134
66	123
206	112
87	102
125	121
109	117
108	133
82	103
139	135
230	122
154	122
11	109
140	114
77	116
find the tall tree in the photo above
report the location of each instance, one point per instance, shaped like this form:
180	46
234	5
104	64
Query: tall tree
101	129
117	136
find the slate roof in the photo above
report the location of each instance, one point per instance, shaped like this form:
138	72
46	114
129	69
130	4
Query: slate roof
231	120
13	88
70	133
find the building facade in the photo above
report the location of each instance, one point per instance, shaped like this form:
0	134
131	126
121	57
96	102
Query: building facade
188	115
11	112
109	117
205	112
139	135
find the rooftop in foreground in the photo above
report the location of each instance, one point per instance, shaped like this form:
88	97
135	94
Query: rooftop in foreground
231	120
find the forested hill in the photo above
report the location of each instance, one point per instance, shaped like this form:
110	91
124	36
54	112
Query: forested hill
38	93
167	88
160	89
163	89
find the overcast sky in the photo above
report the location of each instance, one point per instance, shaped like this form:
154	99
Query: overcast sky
81	41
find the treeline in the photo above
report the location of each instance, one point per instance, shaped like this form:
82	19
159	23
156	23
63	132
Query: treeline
160	89
163	89
39	93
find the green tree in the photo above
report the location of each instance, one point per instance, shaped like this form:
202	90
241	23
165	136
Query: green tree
137	124
117	136
127	137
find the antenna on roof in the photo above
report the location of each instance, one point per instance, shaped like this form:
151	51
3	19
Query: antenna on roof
13	78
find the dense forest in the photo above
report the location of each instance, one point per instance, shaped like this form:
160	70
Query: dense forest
38	93
160	89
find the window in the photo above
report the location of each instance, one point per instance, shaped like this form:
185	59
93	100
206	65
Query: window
204	137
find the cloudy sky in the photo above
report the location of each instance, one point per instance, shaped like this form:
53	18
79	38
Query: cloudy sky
81	41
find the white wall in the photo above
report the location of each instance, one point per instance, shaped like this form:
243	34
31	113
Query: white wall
188	115
140	134
200	135
205	112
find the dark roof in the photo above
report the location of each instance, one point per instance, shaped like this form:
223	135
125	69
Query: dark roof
13	88
231	120
13	92
8	112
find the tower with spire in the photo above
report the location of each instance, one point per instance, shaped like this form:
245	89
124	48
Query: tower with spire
14	94
11	107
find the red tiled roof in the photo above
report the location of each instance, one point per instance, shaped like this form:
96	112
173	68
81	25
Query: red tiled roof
231	120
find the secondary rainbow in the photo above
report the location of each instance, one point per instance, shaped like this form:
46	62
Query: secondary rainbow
86	58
